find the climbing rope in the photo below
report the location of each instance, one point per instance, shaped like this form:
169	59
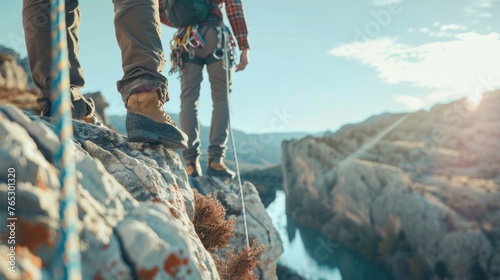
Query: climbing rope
227	66
68	248
239	184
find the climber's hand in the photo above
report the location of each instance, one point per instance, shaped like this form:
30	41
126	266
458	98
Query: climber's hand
243	60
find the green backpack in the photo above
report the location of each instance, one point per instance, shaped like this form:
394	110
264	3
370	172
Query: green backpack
186	12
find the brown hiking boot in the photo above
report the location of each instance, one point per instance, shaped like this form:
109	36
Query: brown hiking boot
219	169
193	169
87	115
148	122
92	120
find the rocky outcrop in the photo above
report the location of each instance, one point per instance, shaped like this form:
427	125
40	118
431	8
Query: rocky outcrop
419	193
134	200
266	181
285	273
259	224
12	75
15	81
19	69
24	99
134	223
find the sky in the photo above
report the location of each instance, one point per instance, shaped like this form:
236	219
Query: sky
317	66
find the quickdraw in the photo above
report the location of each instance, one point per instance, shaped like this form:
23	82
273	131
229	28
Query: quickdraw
187	39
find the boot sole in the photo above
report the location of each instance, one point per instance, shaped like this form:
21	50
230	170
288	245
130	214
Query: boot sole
145	130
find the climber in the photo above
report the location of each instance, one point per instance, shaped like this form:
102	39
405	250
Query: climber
201	43
143	87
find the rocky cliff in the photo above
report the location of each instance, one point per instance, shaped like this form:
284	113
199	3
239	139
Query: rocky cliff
267	181
14	70
16	85
418	193
135	206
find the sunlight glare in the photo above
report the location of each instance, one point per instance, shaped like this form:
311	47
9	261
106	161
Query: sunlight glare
473	102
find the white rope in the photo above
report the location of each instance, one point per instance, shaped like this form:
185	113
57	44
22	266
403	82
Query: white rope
239	184
226	65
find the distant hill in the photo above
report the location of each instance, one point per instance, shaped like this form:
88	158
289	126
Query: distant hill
255	151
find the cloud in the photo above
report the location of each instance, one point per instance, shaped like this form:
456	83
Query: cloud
385	2
446	30
439	30
448	69
423	30
486	3
481	8
452	27
440	34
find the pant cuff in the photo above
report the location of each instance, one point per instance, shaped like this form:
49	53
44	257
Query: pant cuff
143	85
191	155
216	152
80	108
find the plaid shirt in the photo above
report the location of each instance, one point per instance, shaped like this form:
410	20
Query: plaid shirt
235	14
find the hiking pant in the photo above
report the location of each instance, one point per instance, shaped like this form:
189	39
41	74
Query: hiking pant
137	26
190	93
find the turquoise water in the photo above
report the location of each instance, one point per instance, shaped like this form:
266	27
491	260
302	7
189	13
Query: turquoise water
313	255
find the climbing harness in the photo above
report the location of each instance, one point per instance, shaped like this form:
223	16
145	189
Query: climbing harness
68	247
187	39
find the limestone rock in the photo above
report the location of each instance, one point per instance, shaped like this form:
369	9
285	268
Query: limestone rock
134	211
266	181
23	62
259	224
12	75
417	192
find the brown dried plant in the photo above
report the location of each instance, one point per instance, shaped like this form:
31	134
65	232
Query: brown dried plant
215	232
210	222
239	266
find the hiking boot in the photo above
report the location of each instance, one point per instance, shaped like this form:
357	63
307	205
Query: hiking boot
92	120
193	169
148	122
219	169
90	117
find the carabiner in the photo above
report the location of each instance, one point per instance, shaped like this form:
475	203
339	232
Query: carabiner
195	44
219	53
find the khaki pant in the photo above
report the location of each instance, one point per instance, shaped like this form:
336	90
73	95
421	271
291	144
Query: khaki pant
190	93
138	34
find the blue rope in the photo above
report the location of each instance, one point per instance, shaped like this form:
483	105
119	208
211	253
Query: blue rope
67	259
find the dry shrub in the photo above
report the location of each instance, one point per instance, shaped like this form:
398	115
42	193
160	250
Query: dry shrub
239	266
215	231
210	222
